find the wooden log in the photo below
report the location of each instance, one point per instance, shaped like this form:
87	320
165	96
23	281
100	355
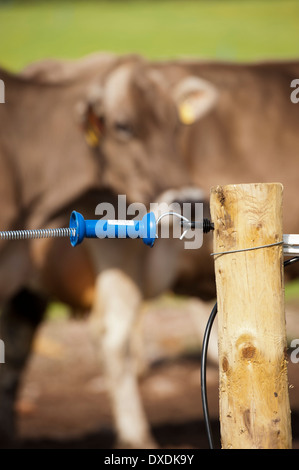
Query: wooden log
253	391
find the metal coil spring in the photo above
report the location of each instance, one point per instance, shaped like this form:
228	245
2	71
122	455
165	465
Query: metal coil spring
41	233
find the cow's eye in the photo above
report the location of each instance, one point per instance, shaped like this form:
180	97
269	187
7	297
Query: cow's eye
124	129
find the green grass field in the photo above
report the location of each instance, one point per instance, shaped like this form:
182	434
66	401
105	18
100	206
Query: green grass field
234	30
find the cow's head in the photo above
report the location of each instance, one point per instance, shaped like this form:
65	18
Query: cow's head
133	116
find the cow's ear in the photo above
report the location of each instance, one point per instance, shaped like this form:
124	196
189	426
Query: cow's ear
92	118
194	97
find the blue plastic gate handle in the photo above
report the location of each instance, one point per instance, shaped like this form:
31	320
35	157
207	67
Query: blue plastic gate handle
144	228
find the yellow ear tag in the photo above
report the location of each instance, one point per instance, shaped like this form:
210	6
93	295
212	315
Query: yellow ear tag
186	113
91	138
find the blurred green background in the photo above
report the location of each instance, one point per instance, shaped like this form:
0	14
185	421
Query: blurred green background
228	30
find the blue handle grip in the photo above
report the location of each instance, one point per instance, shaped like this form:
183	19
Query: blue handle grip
144	228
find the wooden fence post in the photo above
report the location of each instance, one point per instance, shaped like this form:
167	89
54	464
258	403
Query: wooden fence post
253	390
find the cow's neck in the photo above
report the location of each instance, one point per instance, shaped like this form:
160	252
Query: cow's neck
52	162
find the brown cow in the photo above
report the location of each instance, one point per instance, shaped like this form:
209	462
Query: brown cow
238	111
251	132
49	167
248	133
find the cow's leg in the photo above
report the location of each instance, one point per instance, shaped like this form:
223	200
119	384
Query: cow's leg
18	321
113	319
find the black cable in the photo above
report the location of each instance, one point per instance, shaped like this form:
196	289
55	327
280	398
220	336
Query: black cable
291	261
203	369
204	398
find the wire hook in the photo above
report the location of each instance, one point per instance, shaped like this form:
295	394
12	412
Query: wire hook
176	214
